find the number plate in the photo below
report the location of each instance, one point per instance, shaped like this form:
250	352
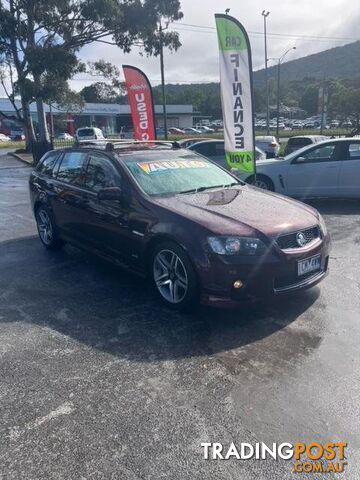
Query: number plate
308	265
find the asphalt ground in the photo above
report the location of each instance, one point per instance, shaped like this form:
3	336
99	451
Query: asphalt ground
100	381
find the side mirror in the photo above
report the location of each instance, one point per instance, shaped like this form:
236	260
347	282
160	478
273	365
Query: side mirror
110	193
300	160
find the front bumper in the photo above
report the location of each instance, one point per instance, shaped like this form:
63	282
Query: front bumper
272	275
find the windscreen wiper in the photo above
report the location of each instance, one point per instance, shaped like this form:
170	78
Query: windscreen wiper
201	189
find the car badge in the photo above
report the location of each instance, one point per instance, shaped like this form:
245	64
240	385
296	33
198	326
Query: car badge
301	239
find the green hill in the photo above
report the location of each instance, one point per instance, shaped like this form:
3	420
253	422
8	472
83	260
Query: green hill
338	63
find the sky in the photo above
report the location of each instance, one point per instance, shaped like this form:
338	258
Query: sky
290	22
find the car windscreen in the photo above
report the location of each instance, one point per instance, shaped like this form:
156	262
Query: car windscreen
85	132
172	173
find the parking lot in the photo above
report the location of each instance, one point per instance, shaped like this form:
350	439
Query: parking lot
100	381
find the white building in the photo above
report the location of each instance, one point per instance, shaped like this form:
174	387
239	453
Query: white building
110	117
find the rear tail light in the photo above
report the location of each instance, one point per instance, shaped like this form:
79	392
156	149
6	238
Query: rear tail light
273	144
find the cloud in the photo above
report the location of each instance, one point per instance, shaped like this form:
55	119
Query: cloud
197	59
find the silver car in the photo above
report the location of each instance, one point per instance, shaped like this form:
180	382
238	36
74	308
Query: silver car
326	169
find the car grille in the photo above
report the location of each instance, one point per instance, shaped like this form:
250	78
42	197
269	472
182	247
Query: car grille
289	240
290	280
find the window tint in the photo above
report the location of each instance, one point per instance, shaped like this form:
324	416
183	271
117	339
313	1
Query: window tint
85	132
216	149
203	149
71	168
46	167
299	142
101	173
354	151
325	153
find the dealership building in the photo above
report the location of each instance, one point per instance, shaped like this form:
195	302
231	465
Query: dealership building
110	117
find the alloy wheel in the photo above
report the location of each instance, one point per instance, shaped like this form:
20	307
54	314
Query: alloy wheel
261	184
170	276
45	227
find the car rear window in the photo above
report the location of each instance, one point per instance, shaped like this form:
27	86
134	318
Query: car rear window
85	132
299	142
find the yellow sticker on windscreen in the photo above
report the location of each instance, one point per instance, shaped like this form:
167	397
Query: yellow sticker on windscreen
153	167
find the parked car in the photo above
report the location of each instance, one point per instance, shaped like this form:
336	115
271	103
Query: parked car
176	131
269	145
205	129
327	169
4	138
17	136
89	133
295	143
192	131
186	142
64	136
215	151
195	230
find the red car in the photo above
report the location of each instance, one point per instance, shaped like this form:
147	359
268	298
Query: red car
196	231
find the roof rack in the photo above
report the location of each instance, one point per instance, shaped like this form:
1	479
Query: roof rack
114	144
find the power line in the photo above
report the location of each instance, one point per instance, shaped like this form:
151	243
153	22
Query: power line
252	32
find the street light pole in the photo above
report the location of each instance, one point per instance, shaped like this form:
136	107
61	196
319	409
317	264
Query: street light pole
163	80
278	89
265	14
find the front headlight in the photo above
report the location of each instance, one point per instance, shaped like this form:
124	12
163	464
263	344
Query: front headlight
323	227
236	245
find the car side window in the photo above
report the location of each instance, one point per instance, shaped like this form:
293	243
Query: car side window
47	166
71	169
325	153
354	151
219	149
101	173
203	149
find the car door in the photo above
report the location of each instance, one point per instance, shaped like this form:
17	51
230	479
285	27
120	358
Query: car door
68	195
109	220
315	172
349	178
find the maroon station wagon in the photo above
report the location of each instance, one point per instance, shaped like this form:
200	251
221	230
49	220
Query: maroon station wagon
198	232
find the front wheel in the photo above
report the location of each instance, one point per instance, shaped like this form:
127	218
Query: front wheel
174	276
47	229
261	181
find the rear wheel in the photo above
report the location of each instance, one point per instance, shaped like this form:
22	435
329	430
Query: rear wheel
262	181
174	276
47	229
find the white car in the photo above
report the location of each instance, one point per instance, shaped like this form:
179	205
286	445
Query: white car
64	136
268	144
204	129
327	169
4	138
89	133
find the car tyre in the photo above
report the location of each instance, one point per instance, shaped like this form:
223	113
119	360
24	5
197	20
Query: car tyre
262	181
47	229
174	277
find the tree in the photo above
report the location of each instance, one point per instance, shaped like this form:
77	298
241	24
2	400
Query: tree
41	40
310	99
